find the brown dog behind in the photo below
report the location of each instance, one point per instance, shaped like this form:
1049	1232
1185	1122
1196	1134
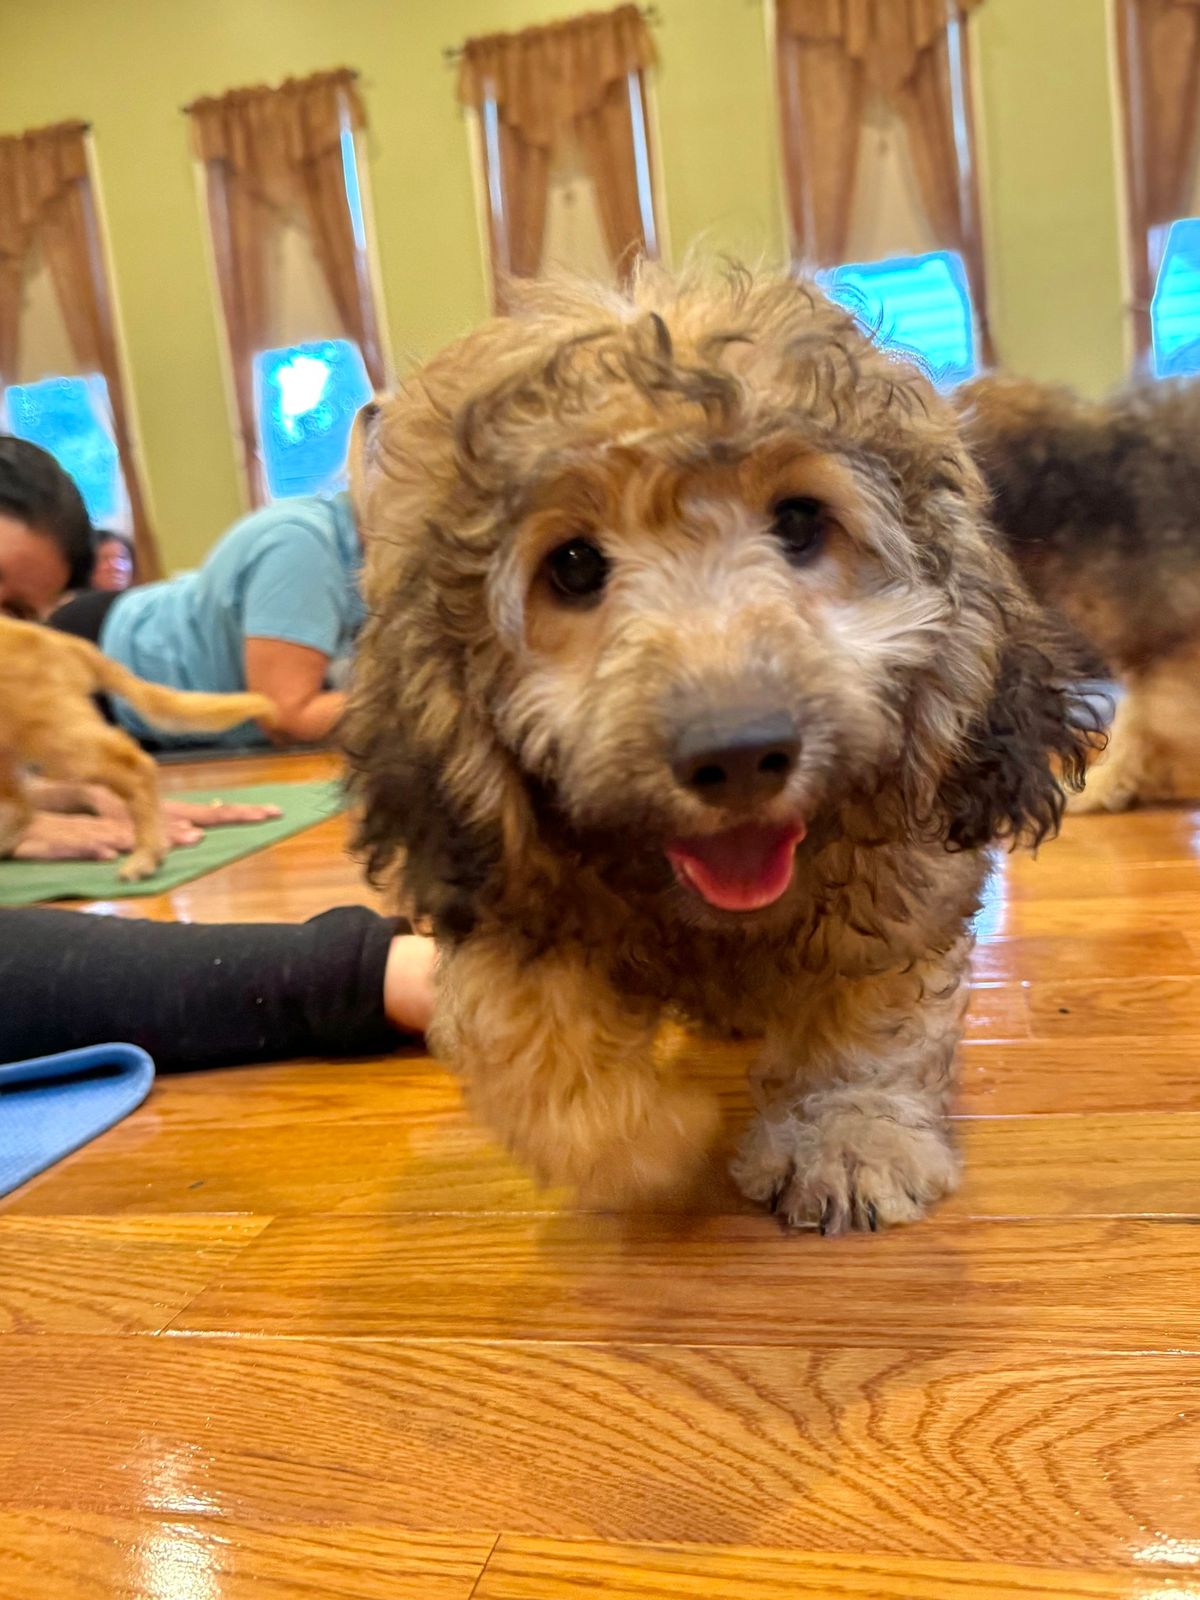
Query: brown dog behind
1099	505
48	720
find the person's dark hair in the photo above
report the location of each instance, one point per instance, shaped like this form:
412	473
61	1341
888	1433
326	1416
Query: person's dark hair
35	490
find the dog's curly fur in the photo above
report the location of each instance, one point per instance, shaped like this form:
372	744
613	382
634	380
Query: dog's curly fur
513	752
1099	504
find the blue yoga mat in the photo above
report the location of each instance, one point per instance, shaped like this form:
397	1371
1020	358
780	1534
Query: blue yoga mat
52	1105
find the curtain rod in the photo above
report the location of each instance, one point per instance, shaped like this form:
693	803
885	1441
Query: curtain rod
649	14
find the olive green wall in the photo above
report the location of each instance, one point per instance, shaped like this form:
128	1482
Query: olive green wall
128	65
1051	189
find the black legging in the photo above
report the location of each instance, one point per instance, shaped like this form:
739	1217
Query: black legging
195	995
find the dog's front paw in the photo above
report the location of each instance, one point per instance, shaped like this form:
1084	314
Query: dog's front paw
141	864
845	1168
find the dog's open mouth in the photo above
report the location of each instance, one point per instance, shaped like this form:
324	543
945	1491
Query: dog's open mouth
742	869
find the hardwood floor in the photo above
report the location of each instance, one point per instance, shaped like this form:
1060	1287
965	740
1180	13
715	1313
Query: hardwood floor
303	1331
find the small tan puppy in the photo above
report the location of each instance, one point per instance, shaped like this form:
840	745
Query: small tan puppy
48	721
695	685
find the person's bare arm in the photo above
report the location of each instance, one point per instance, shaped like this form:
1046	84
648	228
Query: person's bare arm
293	676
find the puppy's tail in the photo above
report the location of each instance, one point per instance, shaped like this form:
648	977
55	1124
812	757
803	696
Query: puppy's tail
178	710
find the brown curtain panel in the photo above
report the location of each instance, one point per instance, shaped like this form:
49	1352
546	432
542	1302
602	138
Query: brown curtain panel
46	194
1158	51
531	90
830	54
268	154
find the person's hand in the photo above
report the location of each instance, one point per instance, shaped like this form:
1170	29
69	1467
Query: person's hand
408	990
215	813
185	820
106	832
73	837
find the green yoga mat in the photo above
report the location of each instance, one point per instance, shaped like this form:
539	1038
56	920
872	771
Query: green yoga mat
24	883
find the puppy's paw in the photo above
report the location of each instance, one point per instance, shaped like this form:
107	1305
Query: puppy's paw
845	1169
141	864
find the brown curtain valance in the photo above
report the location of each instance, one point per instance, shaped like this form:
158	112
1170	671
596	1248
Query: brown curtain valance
888	37
567	80
543	79
36	168
267	136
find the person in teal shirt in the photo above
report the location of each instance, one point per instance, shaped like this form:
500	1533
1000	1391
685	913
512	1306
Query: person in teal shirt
275	607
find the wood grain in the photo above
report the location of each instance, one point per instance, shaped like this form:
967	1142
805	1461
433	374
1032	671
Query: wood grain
1067	916
436	1159
123	1275
1041	1076
303	1330
544	1569
84	1556
968	1454
728	1280
1116	1007
1090	956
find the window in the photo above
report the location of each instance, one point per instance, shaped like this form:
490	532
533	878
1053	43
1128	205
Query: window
69	418
307	352
918	305
1175	308
573	235
306	397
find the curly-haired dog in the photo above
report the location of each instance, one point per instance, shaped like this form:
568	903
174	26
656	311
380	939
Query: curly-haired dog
1100	507
693	684
48	720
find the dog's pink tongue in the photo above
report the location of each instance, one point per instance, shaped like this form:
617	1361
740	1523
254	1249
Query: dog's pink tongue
742	869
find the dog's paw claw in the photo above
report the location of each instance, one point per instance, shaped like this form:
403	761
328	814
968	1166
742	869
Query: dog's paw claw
780	1189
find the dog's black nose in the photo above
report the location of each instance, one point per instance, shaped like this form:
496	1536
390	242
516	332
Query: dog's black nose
736	762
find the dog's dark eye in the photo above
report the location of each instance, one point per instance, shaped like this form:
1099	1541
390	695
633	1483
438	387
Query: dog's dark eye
578	570
799	523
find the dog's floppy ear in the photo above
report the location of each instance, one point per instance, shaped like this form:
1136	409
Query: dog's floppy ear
411	831
1031	744
442	807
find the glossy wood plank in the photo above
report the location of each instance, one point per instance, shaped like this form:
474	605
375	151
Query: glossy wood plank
112	1274
1116	1007
1120	1285
545	1569
1173	911
46	1554
966	1454
1092	956
1016	1078
998	1011
419	1151
272	766
1053	876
